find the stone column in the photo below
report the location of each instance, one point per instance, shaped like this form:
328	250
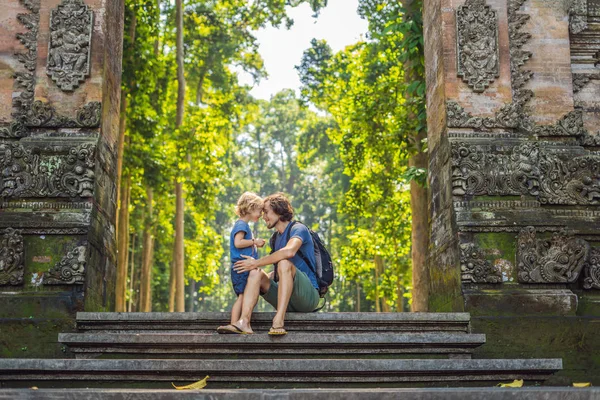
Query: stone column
514	140
60	75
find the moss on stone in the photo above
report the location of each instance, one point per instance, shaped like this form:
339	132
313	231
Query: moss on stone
34	337
42	253
574	339
500	249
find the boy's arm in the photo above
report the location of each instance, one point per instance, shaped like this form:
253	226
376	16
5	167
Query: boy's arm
289	251
240	243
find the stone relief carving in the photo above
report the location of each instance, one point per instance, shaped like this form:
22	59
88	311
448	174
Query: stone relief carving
42	114
578	12
525	169
512	116
592	271
70	41
67	21
580	80
15	129
478	172
515	115
591	140
475	268
63	205
11	258
32	172
477	44
572	181
55	231
25	80
70	270
558	260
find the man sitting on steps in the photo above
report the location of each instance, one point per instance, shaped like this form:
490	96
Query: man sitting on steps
296	289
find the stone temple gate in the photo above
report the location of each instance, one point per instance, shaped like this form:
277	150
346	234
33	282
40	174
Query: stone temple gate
513	99
60	74
513	103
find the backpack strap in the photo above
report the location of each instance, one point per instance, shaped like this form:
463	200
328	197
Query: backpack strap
299	252
272	241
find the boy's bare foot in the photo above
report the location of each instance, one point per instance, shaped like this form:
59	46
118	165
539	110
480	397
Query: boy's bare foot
244	326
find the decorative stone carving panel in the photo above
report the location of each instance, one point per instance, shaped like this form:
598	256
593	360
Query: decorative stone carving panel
592	271
578	13
475	171
475	268
11	257
477	44
526	169
42	114
70	270
558	260
52	171
70	42
515	115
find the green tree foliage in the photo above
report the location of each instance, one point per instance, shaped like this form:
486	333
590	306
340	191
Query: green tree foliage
344	165
363	89
218	40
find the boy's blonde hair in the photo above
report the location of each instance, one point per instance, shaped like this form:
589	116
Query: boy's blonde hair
247	203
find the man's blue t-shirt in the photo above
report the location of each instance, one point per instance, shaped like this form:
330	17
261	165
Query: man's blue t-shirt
308	249
234	252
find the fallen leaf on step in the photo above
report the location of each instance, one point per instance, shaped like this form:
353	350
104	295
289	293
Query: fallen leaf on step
34	388
194	386
515	383
582	384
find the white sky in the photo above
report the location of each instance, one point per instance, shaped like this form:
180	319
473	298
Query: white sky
282	49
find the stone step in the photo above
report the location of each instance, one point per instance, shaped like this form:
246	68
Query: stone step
270	373
487	393
307	322
338	345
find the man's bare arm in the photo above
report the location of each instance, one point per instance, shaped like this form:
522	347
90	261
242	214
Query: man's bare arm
289	251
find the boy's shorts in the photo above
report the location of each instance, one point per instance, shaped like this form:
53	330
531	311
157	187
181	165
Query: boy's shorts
305	298
239	281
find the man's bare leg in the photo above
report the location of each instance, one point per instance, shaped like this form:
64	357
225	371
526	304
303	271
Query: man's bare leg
286	271
257	281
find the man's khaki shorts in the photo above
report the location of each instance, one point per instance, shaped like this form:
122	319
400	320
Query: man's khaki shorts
305	298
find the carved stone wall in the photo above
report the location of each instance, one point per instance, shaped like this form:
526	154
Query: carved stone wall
59	111
525	173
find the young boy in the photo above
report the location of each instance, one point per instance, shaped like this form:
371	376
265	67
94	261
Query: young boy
249	208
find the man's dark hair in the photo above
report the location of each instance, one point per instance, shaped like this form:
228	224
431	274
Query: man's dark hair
281	206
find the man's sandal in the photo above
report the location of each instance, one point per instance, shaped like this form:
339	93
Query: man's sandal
277	331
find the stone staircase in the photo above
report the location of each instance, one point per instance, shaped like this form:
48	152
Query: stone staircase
337	350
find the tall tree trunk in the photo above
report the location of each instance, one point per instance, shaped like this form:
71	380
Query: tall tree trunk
379	267
377	298
122	247
418	195
179	250
179	201
131	273
147	256
420	239
400	297
172	286
122	118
